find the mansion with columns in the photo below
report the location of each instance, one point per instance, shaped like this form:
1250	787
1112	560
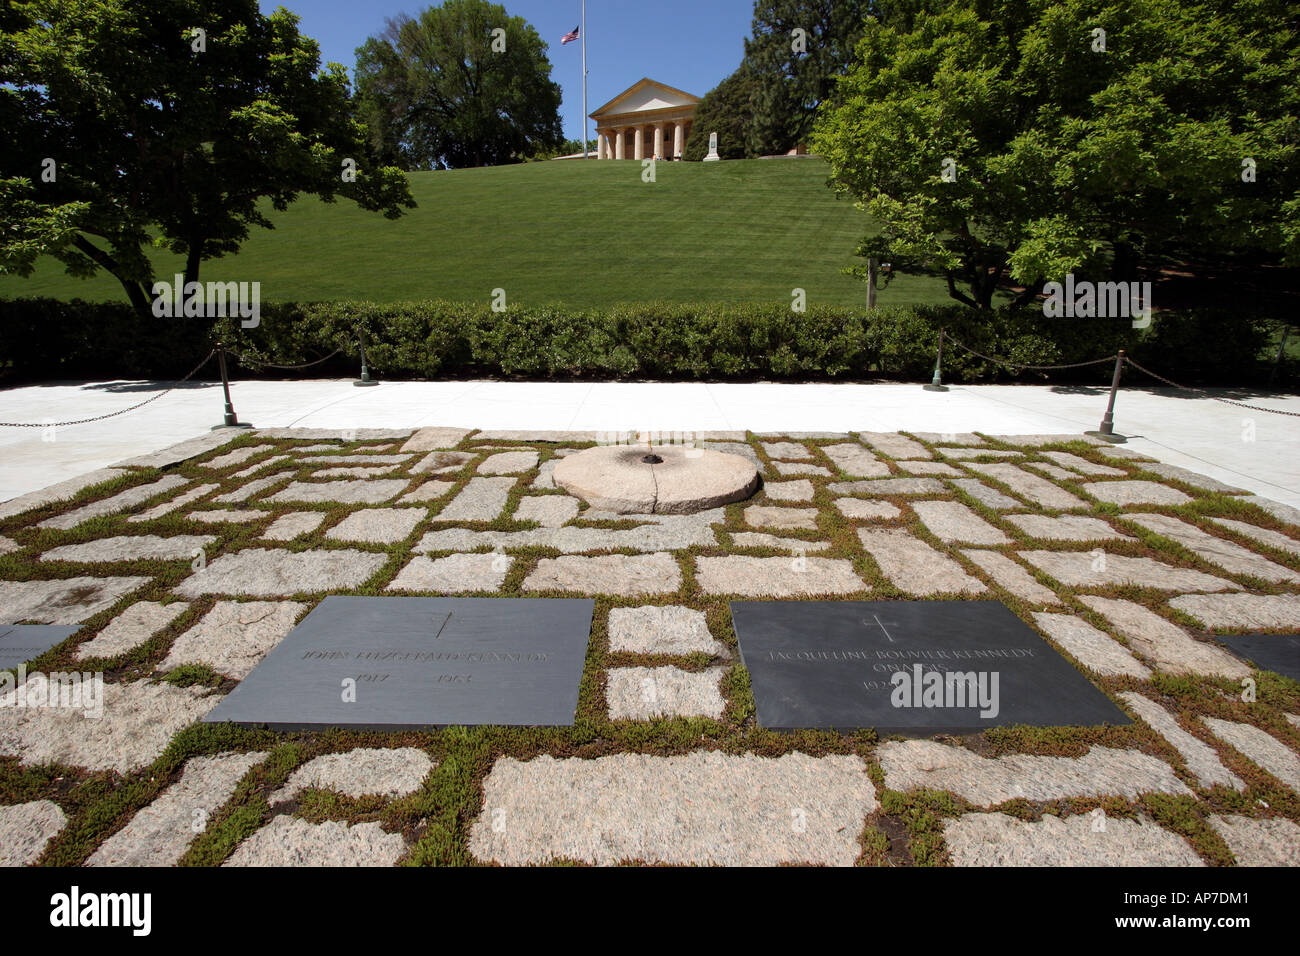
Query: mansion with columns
647	120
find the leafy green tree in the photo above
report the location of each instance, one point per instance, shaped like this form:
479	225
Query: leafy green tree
174	120
444	91
725	110
795	72
1033	138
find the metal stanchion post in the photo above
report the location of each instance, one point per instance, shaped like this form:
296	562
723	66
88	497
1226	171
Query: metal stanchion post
365	378
936	385
1106	431
231	420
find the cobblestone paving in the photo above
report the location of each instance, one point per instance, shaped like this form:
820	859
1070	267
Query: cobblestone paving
180	576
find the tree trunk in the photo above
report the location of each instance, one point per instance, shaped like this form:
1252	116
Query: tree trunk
135	291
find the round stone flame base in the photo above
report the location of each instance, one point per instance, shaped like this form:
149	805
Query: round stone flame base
665	479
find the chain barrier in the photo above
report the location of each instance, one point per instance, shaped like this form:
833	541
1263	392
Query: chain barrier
256	364
1205	394
1015	365
100	418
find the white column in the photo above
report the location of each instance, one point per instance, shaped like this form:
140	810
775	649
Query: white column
600	145
659	140
638	144
618	144
679	138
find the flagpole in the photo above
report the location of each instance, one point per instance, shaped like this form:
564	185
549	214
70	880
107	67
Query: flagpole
584	79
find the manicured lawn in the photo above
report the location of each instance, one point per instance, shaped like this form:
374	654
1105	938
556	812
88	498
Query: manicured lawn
585	234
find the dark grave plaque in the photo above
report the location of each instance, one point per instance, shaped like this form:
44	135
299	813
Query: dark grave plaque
832	665
19	643
1279	653
416	662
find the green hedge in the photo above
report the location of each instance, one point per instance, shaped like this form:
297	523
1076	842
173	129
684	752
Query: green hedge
43	339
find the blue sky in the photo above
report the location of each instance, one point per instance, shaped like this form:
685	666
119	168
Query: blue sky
689	44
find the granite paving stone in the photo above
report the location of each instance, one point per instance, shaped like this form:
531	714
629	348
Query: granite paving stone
777	577
442	462
122	501
1192	478
295	524
1135	493
1278	510
759	516
801	490
138	721
895	445
508	463
988	781
658	533
662	629
377	525
1033	488
855	461
998	839
139	622
26	829
929	468
644	693
1261	747
391	772
431	439
1066	528
1170	647
550	511
914	567
268	572
61	491
623	574
1094	649
1233	558
1200	757
1242	611
248	490
888	486
856	509
160	833
235	457
1274	539
1083	466
63	601
453	574
482	499
787	468
698	808
986	495
136	547
1011	576
429	491
788	450
1274	841
952	521
234	636
292	841
358	492
227	516
1089	569
757	539
167	507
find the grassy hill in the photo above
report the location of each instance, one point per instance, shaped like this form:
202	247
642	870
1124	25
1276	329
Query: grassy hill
583	234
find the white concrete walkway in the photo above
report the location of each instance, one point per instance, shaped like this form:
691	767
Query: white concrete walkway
1254	450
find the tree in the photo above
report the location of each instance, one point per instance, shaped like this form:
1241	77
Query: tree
445	90
725	110
1011	138
177	119
793	71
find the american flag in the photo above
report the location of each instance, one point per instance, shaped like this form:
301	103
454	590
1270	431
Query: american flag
570	37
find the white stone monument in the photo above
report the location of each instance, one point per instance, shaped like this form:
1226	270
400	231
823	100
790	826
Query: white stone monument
713	156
